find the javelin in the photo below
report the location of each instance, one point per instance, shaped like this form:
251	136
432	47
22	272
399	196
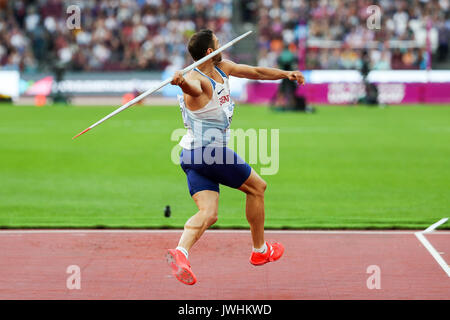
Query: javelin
165	82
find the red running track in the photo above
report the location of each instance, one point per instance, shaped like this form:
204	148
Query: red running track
127	264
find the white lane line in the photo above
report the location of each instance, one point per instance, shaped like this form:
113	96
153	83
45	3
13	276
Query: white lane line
435	225
430	248
433	252
76	231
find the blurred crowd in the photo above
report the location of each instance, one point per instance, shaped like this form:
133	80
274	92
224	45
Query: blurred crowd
337	32
151	34
114	34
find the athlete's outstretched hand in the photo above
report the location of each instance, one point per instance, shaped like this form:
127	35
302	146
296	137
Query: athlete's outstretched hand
178	79
296	76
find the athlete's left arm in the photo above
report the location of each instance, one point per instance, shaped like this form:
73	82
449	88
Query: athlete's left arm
260	73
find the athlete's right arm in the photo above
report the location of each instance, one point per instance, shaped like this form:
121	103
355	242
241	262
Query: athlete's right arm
192	87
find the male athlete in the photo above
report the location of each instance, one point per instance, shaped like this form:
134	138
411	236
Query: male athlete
207	111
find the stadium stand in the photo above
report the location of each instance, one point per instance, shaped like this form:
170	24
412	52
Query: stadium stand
150	34
114	35
337	32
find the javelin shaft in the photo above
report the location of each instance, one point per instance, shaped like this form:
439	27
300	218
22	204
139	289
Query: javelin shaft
165	82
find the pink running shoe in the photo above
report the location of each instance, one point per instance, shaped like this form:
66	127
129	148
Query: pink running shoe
181	267
273	253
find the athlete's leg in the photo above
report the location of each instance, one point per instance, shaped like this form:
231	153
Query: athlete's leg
254	187
207	202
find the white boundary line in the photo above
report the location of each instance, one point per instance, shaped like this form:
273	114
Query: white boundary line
162	231
430	248
435	225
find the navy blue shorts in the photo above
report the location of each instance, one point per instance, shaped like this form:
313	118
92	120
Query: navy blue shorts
207	167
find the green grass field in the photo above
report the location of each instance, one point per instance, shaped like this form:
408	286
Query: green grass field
343	167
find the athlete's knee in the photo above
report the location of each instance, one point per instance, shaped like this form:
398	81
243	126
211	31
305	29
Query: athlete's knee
209	212
212	220
260	188
202	220
263	186
210	215
207	203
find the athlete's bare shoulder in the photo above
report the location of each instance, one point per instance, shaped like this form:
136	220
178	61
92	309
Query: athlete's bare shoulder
226	66
195	102
204	82
193	75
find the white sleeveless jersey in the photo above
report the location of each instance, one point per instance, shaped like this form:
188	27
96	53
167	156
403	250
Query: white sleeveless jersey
209	126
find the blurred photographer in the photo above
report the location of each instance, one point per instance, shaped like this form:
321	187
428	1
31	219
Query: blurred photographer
371	90
286	97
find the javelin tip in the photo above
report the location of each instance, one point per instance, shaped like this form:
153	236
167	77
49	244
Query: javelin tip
81	133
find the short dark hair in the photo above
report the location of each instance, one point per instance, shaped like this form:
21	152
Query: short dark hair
199	43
